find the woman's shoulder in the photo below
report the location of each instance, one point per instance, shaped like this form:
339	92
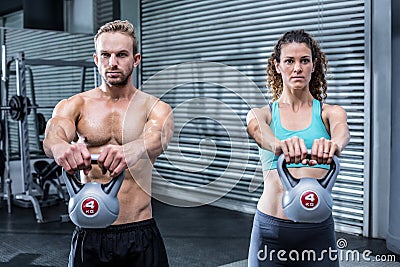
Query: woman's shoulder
329	110
261	113
332	108
264	109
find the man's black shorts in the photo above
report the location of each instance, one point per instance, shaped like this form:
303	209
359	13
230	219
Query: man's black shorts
128	245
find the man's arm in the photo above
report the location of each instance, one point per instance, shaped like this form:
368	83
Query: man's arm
158	130
157	133
60	132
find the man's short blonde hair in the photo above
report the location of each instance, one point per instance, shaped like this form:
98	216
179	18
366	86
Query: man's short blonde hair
122	26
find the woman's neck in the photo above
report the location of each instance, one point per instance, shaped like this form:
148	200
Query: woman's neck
296	100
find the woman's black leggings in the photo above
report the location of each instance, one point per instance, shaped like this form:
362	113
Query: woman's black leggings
278	242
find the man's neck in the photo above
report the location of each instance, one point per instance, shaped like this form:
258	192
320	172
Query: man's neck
118	92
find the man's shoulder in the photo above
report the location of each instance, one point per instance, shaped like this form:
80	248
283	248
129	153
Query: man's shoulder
155	106
80	97
145	95
70	106
150	99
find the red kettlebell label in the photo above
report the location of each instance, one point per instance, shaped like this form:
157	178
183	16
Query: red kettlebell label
309	199
90	206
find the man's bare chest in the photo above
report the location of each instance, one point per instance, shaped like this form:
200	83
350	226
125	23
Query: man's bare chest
114	126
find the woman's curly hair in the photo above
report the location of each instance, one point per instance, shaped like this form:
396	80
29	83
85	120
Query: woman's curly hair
317	84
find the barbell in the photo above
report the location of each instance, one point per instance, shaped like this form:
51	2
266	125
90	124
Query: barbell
16	107
17	113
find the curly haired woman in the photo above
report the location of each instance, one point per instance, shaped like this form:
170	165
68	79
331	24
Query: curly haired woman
295	122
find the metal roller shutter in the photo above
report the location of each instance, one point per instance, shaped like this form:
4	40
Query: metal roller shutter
209	144
51	83
103	12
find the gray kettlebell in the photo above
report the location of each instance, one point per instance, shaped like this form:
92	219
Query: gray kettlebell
93	205
307	200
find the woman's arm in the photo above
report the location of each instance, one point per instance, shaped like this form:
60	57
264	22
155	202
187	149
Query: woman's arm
323	149
339	129
258	120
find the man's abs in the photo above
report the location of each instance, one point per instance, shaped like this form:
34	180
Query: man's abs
134	201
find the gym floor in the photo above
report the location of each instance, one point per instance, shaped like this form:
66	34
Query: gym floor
202	236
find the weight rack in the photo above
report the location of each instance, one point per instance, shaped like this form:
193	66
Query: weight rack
24	140
20	65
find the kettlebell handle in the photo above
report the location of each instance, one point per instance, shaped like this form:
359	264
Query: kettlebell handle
109	187
73	181
74	185
291	181
94	158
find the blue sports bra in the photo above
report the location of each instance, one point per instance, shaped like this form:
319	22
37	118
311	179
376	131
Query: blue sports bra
314	131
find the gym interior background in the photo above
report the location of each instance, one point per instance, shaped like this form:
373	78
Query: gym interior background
211	159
